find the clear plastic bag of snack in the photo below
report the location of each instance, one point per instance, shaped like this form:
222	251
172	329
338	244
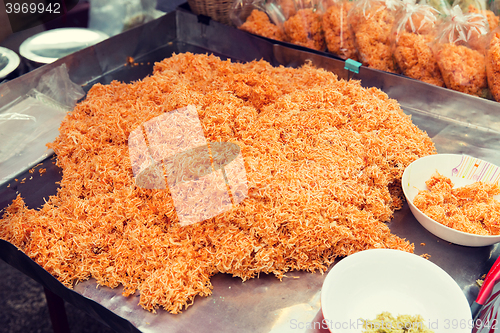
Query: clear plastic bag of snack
261	17
339	37
459	49
116	16
294	21
493	20
305	27
415	29
372	22
493	64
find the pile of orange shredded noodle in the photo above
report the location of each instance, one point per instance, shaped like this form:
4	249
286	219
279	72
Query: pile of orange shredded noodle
305	28
463	69
493	66
323	158
415	58
472	208
258	23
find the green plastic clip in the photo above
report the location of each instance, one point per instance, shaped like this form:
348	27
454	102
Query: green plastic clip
352	65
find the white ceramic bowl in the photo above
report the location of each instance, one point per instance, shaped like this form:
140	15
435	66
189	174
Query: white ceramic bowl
370	282
462	170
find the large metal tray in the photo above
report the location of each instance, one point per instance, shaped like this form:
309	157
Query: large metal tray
456	122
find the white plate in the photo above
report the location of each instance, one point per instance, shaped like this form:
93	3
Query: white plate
462	170
12	60
370	282
48	46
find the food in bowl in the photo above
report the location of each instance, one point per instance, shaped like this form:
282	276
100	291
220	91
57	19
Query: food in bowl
386	323
471	208
368	283
462	170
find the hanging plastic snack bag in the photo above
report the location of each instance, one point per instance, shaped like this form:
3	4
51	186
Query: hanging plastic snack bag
459	49
115	16
493	64
372	22
287	7
483	7
490	16
305	27
338	35
260	17
415	30
258	23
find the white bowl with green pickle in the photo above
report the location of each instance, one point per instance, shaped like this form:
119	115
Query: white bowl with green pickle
368	283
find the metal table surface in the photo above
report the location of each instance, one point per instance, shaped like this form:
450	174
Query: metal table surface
457	123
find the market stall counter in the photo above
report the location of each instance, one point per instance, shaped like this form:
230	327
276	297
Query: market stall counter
456	123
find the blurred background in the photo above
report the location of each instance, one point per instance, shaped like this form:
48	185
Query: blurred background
109	17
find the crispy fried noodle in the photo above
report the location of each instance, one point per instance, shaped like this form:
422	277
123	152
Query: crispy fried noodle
323	159
472	208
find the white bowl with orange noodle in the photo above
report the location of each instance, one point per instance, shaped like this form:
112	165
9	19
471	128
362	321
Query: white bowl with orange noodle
462	170
367	283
